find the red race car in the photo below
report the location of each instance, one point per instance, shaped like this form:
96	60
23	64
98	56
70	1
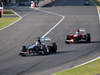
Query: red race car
80	36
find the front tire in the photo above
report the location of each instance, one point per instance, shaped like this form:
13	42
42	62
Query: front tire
22	54
24	49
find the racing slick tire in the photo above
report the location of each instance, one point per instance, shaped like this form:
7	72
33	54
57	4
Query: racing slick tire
67	38
54	47
45	50
22	54
23	51
50	49
67	42
88	37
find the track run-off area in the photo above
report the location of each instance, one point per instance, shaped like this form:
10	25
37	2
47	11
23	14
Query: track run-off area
54	20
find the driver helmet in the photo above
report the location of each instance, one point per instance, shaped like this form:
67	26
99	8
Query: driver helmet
78	30
39	40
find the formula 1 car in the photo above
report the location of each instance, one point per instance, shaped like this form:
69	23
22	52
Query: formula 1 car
42	46
80	36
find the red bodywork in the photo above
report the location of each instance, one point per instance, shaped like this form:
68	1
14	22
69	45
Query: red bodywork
75	38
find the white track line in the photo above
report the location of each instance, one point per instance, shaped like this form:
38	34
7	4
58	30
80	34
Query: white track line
97	9
16	13
14	21
63	17
98	13
53	13
53	27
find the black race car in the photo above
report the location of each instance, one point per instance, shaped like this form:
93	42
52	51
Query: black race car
42	46
80	36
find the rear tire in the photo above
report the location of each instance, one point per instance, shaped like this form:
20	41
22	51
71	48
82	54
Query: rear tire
54	47
50	49
67	42
88	37
68	37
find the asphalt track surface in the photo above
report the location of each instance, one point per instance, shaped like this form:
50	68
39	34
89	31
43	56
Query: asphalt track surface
36	23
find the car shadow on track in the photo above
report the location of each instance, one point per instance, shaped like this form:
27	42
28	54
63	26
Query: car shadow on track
82	42
57	53
95	42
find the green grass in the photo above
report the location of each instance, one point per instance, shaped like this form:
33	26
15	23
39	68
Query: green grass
92	68
10	18
9	15
6	21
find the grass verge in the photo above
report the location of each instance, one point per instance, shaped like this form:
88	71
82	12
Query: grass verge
92	68
8	19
